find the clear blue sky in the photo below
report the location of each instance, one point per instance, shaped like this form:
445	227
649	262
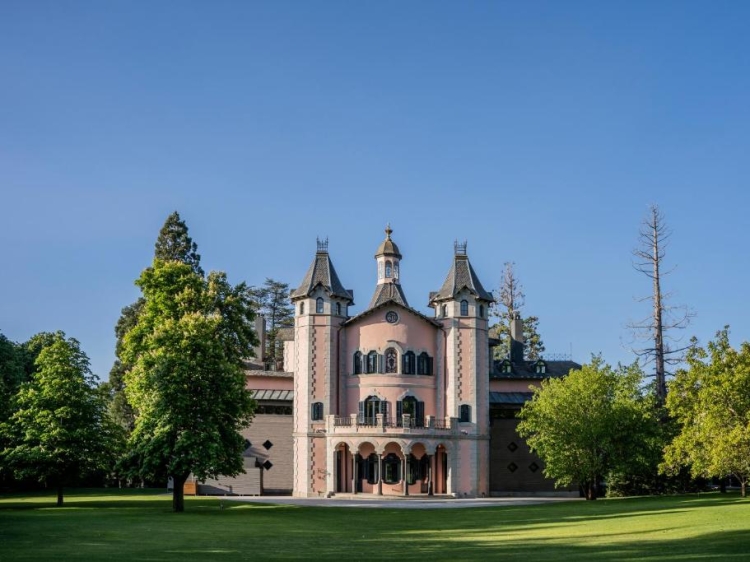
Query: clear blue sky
537	131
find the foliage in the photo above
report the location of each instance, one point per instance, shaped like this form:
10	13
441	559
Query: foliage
187	383
11	373
272	300
60	430
588	424
511	299
711	403
173	244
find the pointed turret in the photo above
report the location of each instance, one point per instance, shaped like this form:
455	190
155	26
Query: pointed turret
388	288
461	277
322	274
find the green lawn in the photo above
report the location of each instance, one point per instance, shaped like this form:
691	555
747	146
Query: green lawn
137	525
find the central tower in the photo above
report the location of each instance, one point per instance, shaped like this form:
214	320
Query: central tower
388	260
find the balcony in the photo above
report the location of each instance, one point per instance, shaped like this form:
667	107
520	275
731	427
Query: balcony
380	424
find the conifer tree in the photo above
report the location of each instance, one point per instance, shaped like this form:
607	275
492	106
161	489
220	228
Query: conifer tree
273	303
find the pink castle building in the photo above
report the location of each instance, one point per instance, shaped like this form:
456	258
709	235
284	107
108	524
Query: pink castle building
390	401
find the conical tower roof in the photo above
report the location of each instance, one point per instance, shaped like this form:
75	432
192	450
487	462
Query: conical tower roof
322	273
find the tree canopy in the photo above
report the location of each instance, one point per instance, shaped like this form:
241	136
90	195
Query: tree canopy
60	429
187	384
174	244
711	403
587	424
511	299
273	303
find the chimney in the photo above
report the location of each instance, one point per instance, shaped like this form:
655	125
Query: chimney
516	338
260	331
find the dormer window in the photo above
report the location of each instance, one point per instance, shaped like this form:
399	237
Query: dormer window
388	269
506	368
541	367
319	305
464	308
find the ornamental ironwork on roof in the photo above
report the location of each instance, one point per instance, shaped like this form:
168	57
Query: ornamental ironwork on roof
322	274
461	276
388	247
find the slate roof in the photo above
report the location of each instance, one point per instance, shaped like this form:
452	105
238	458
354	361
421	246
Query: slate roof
461	276
510	398
388	247
321	273
527	370
388	292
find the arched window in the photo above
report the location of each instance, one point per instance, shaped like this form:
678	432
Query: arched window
391	360
391	469
414	408
358	363
371	469
372	362
370	408
506	367
388	269
338	309
408	366
541	367
464	308
445	310
302	308
424	364
319	305
464	413
380	270
316	412
481	311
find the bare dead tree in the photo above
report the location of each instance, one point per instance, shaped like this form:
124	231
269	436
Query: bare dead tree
657	330
511	299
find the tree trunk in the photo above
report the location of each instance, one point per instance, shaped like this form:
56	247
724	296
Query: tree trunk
59	495
742	488
178	492
590	491
723	486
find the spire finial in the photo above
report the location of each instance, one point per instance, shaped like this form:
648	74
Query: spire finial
322	245
388	231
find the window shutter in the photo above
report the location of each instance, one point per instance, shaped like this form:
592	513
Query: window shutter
384	408
361	412
420	414
380	363
404	364
399	410
429	366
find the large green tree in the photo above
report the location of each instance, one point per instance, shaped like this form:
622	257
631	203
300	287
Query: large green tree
273	303
511	300
173	244
187	383
60	430
593	421
711	403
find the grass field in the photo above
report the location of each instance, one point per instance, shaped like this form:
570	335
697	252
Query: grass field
137	525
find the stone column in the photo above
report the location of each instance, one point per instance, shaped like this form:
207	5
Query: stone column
354	472
380	474
405	466
430	473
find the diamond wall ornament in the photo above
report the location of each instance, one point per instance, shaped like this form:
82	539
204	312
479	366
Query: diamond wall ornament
267	465
512	467
267	445
248	444
512	447
533	467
